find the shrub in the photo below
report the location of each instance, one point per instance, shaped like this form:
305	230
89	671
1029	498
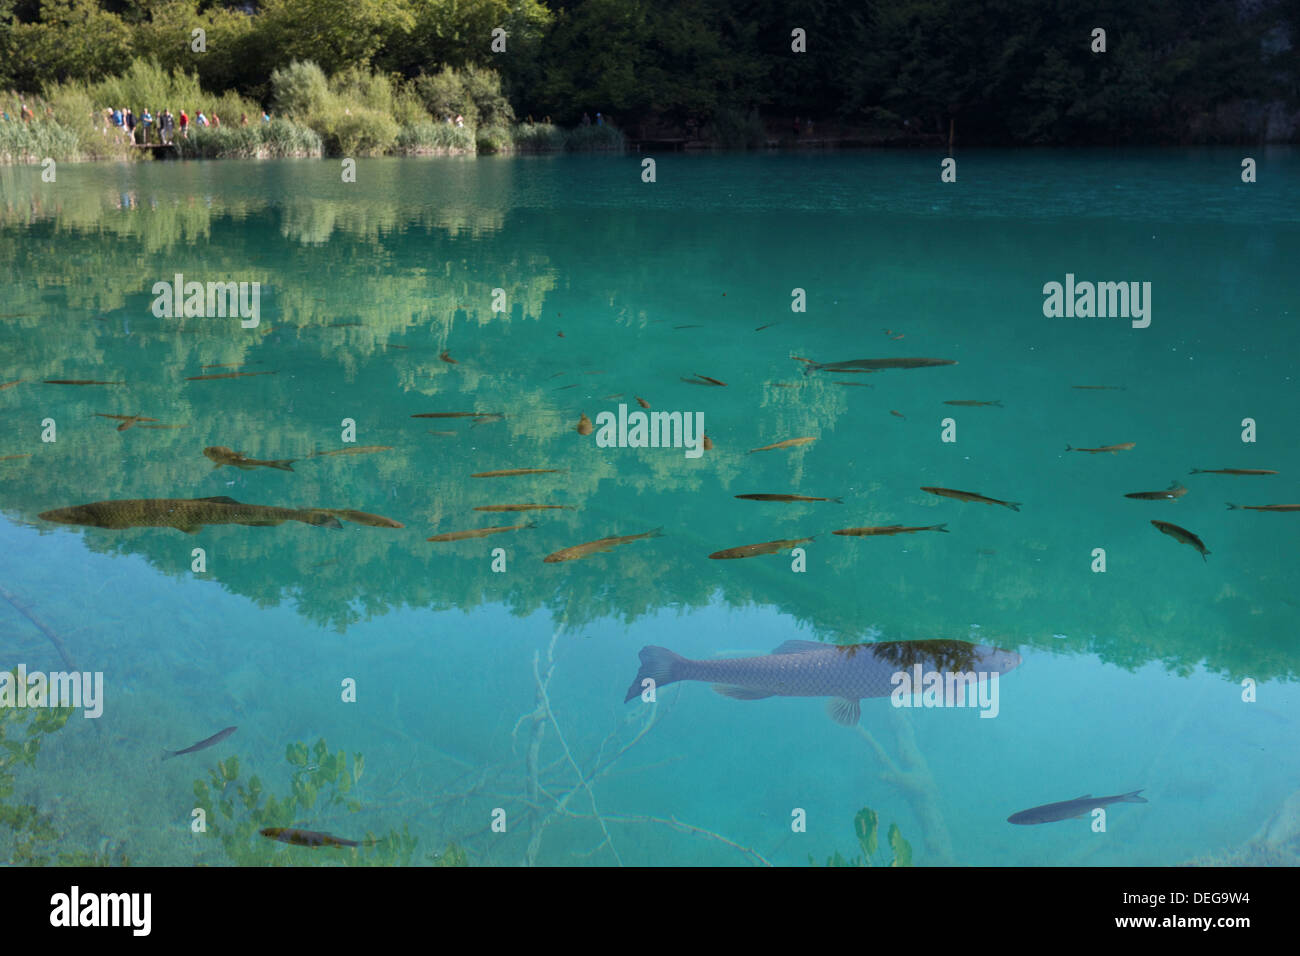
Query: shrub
538	137
493	139
732	129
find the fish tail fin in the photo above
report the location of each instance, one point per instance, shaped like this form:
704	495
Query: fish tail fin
942	527
530	524
1204	558
1069	448
997	403
321	519
1014	505
1232	507
838	501
1133	798
168	754
284	464
659	665
1195	471
656	533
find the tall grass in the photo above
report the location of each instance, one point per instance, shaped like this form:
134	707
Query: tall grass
37	141
277	139
591	138
538	137
432	139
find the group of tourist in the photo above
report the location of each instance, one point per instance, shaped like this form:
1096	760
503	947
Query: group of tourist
147	128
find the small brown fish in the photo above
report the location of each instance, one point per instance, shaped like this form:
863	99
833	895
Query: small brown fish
708	443
362	517
753	550
310	838
511	472
584	425
559	335
606	398
876	364
838	501
974	404
126	420
641	401
1175	490
78	381
703	380
208	378
1231	471
225	456
768	326
563	387
788	443
446	357
457	414
15	457
971	496
204	744
479	532
1232	507
598	546
524	508
402	347
1105	448
224	365
895	338
800	358
350	450
898	414
889	529
17	381
441	434
1184	536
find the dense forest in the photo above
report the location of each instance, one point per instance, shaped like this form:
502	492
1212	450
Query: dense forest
996	71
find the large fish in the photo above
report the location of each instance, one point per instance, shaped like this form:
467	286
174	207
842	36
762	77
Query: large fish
811	669
228	456
1068	809
479	532
184	514
875	364
788	443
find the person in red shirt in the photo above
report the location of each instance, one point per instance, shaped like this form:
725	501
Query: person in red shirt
185	124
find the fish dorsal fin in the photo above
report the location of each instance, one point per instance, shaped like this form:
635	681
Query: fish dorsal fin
740	693
799	647
844	711
221	499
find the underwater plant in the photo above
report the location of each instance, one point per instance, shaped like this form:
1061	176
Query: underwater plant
865	825
26	834
320	783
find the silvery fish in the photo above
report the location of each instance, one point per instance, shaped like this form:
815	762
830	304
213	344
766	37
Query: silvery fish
845	673
1067	809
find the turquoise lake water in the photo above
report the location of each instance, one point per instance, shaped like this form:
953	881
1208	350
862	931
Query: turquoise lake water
479	690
